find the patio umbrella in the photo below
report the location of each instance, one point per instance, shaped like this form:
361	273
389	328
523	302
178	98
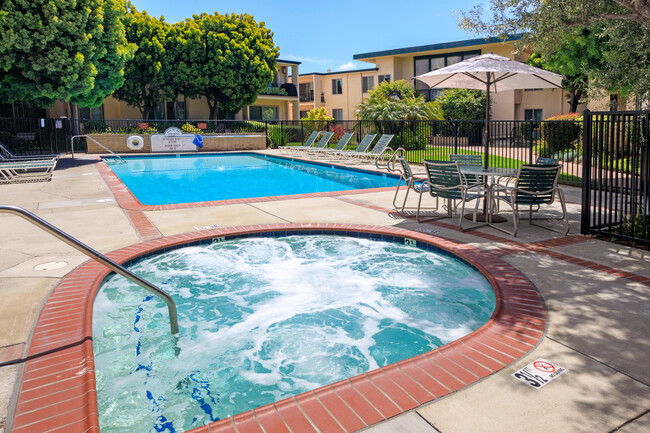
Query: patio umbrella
491	73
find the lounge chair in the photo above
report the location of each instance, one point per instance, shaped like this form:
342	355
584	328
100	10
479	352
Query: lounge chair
343	141
376	152
363	145
445	181
535	185
7	155
308	143
26	171
322	143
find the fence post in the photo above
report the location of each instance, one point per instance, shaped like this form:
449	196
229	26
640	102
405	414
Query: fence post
587	139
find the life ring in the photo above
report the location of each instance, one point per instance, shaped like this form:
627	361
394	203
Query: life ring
135	142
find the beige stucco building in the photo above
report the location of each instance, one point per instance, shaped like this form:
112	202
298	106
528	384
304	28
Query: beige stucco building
339	92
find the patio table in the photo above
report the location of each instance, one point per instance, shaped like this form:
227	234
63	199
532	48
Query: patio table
491	173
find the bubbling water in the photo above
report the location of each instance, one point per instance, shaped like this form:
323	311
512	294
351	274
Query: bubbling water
266	318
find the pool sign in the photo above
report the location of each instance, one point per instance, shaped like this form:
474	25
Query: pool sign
539	373
173	140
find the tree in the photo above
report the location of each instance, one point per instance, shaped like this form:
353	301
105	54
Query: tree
579	54
228	59
396	100
145	78
69	50
462	104
623	27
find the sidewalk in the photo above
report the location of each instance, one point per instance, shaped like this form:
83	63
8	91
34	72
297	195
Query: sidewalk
597	294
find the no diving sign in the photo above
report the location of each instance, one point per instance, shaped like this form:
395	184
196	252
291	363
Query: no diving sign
539	373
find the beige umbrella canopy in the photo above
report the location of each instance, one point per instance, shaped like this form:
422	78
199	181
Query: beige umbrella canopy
491	73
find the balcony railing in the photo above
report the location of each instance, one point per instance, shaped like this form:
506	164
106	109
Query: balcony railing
285	89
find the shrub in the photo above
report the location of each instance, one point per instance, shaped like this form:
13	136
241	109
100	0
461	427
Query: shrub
462	104
277	136
527	128
190	129
560	132
96	127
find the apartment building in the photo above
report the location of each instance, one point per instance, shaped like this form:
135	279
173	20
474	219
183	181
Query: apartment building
339	92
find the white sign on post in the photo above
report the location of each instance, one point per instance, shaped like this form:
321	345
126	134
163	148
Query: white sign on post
539	373
173	140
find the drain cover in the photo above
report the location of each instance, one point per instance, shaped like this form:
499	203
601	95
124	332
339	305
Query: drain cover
50	266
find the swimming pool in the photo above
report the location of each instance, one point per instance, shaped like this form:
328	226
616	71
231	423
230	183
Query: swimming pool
174	179
265	318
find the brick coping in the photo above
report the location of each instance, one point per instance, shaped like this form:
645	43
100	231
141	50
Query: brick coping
126	200
58	391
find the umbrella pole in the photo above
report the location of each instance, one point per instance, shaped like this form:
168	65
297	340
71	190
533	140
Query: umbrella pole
487	124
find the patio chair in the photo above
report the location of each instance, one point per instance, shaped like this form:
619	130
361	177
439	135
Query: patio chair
308	143
406	175
445	181
343	141
363	145
546	161
7	155
376	152
26	171
535	185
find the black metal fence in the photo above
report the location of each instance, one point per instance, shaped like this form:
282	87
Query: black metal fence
616	175
511	142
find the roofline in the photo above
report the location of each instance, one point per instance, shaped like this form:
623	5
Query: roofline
288	61
339	72
440	46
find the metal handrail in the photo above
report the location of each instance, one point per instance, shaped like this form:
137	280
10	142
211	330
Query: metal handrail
118	269
96	142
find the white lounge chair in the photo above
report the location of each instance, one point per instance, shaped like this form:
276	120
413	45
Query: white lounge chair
26	171
7	155
322	143
363	145
376	152
345	138
308	143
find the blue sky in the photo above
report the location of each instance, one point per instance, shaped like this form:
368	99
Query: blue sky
325	35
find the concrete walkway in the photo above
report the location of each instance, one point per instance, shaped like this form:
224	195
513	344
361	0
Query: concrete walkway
597	293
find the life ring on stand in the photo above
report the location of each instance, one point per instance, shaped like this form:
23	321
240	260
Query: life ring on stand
135	142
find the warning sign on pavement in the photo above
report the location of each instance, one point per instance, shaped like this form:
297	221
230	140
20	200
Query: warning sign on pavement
539	373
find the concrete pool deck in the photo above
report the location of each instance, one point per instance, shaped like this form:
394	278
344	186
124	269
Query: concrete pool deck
597	294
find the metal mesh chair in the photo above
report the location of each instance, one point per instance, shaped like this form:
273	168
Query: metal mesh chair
407	176
535	185
445	181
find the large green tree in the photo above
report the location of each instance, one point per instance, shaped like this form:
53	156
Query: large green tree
228	59
622	27
145	75
69	50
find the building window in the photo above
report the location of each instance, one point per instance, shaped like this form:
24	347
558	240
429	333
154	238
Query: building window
263	113
306	92
337	114
424	64
304	114
337	86
180	106
367	83
158	113
534	114
382	78
86	113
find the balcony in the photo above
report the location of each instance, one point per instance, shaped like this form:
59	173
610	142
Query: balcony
285	89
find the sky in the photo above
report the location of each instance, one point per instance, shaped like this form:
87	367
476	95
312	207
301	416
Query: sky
326	35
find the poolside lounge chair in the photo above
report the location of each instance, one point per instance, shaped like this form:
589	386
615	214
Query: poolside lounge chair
535	185
322	143
445	181
363	145
376	152
7	155
343	141
26	171
308	143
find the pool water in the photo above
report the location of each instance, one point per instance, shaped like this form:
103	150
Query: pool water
262	319
195	178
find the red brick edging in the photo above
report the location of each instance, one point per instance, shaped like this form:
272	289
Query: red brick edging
58	392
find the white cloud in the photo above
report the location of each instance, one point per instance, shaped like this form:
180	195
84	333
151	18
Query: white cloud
346	66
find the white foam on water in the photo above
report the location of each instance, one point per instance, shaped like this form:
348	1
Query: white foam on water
265	318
